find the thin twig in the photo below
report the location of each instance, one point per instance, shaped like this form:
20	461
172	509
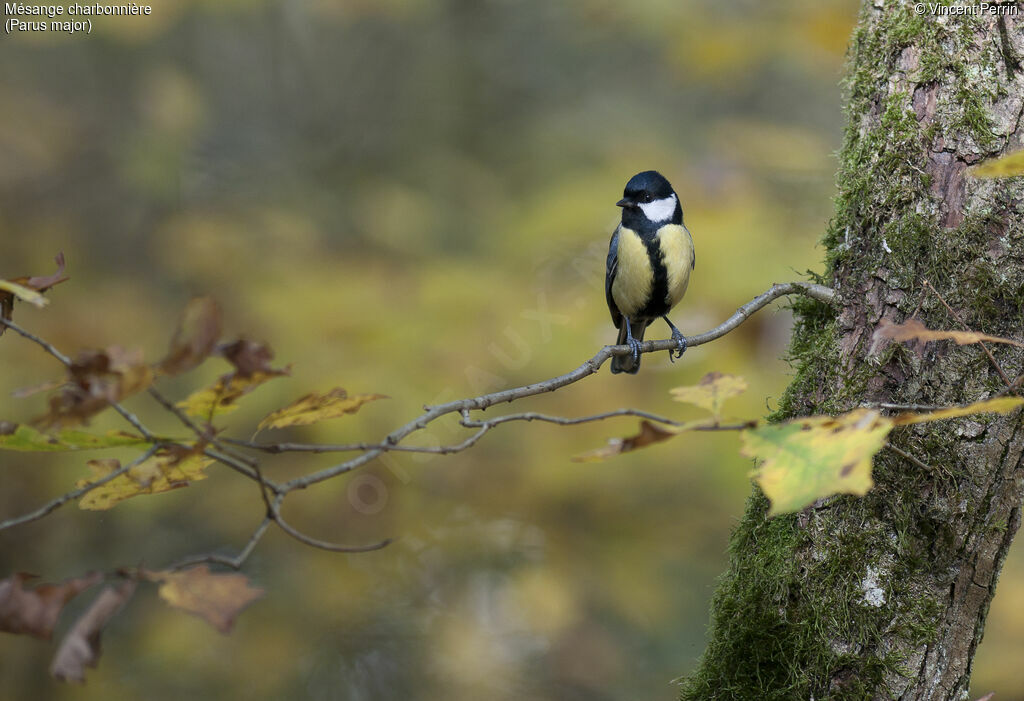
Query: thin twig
904	454
901	407
35	339
235	562
205	435
591	366
298	535
63	499
956	316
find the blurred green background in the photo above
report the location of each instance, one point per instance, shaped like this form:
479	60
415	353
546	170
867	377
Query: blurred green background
392	193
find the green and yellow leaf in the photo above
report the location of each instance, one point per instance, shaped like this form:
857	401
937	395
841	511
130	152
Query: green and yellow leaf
26	438
317	407
804	460
711	392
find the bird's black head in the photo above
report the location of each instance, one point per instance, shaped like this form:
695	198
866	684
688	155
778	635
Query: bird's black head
649	199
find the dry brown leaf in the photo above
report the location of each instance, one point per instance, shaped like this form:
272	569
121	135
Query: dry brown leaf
914	330
649	434
35	611
317	407
96	378
195	338
248	357
218	598
81	646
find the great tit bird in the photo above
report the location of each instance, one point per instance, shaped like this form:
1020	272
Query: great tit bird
649	262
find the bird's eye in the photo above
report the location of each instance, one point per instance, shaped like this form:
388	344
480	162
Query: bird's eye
646	197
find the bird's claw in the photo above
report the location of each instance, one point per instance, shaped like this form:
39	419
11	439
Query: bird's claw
634	346
680	348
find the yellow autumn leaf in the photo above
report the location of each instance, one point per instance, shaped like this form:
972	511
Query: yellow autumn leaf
1005	167
169	468
1000	405
222	396
218	598
914	330
711	392
317	407
804	460
26	294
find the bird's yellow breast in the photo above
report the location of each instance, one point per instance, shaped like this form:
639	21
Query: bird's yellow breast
634	275
677	253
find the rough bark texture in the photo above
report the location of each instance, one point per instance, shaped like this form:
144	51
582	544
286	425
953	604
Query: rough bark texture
886	596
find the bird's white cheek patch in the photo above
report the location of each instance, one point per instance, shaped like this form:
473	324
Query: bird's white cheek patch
659	210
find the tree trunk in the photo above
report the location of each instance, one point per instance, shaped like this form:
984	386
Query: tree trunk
886	596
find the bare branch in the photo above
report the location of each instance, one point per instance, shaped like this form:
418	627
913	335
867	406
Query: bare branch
235	562
591	366
316	543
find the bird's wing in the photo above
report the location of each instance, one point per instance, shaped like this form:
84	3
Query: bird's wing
693	251
609	277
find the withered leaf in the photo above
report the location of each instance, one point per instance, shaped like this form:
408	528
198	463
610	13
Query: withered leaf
35	611
81	646
248	357
317	407
218	598
96	378
195	337
649	434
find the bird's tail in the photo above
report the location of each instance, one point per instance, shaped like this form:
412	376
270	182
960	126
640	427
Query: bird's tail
625	363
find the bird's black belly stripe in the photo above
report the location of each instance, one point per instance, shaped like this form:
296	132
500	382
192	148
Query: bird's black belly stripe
657	303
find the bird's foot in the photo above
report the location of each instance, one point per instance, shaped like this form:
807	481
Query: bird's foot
634	346
680	348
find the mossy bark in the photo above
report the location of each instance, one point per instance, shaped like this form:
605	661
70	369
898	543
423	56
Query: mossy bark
886	596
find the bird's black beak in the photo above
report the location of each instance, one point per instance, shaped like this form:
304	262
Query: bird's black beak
624	202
